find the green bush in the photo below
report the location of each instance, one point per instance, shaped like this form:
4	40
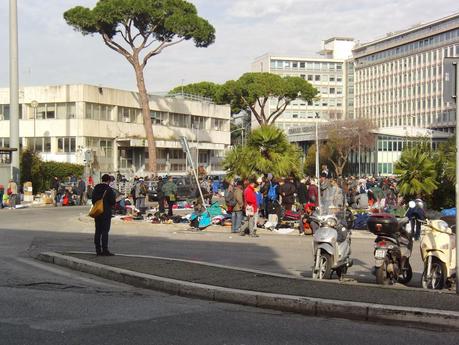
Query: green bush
40	173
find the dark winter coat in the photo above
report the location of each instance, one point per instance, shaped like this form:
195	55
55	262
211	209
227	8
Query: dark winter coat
109	199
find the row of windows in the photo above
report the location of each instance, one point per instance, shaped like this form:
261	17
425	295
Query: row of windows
188	121
322	78
314	66
411	47
103	112
420	120
43	144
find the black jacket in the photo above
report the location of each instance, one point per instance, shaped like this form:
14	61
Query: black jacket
109	199
302	192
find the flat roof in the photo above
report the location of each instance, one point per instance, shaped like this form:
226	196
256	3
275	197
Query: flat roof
412	29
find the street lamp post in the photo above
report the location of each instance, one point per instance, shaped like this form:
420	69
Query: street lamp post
34	105
14	89
318	163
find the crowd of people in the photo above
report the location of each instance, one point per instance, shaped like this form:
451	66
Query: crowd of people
268	195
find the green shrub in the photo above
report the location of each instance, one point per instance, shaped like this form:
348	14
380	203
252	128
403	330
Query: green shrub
40	173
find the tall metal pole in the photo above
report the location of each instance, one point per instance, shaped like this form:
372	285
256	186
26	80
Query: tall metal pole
457	176
14	90
359	154
317	166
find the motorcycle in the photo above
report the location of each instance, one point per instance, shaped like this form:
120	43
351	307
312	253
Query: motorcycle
393	247
438	251
332	244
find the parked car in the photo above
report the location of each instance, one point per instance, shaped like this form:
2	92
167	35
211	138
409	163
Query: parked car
186	188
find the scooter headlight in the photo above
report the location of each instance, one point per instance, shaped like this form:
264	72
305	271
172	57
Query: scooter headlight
331	222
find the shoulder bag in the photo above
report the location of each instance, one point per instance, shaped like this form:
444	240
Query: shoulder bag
98	208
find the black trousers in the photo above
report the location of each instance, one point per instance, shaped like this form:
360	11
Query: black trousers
101	234
161	200
170	205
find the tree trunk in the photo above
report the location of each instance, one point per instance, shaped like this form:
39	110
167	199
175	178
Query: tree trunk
145	104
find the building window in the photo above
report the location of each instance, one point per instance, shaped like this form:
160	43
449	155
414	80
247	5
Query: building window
302	64
66	145
332	90
4	111
106	148
46	111
158	117
218	124
4	142
180	120
317	77
129	115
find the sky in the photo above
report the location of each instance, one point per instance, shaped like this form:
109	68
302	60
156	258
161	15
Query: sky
51	52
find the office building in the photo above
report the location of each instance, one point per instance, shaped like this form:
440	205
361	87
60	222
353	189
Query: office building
328	72
398	78
103	127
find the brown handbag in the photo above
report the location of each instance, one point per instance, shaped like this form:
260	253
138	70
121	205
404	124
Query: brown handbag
98	208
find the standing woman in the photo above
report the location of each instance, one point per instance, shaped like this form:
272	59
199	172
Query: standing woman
251	208
103	221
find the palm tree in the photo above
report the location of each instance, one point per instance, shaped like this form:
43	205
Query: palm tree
417	174
267	151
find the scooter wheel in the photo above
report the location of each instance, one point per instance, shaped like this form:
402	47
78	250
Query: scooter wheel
406	274
324	270
437	277
382	276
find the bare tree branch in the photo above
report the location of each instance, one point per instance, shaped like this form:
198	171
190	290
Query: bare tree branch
116	47
158	50
278	112
261	120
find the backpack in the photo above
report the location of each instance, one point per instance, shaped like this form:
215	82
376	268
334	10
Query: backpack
272	192
230	200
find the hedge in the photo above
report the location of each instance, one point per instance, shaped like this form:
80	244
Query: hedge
40	173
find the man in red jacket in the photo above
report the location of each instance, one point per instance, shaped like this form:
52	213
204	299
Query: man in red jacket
251	208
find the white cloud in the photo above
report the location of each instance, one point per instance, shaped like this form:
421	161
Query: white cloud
51	52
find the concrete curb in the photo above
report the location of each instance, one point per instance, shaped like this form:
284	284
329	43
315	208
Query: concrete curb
287	303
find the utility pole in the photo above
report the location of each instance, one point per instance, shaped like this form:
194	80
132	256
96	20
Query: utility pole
317	163
457	172
451	94
14	91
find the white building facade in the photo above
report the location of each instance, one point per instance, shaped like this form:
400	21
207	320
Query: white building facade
329	74
398	79
103	126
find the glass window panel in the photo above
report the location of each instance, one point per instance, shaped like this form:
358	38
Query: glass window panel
61	110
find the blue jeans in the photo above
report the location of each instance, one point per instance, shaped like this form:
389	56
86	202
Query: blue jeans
236	221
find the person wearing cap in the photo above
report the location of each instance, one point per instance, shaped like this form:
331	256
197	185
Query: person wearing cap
103	221
416	213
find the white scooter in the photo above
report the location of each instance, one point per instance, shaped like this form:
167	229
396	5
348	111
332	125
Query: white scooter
332	245
438	251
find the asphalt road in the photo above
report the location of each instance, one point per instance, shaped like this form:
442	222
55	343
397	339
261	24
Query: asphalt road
44	304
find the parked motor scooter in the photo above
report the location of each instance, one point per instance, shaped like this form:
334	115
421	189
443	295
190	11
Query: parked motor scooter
438	251
332	244
393	246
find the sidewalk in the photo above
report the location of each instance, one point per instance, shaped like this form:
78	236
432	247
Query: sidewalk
306	296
